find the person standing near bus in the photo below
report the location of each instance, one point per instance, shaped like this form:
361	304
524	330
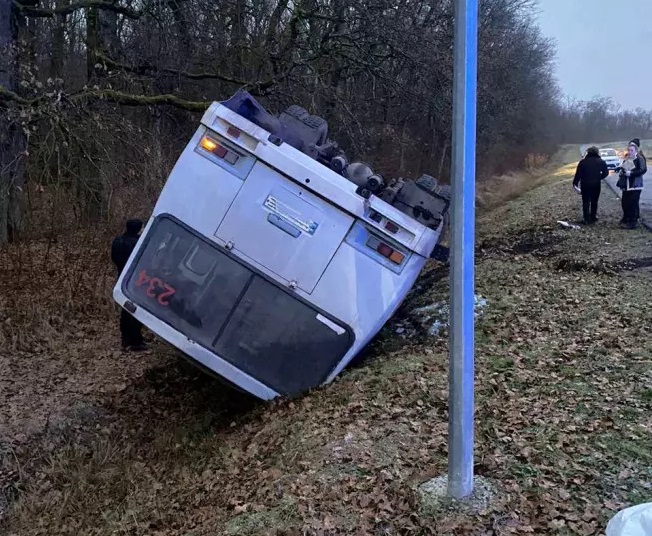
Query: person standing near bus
590	172
121	249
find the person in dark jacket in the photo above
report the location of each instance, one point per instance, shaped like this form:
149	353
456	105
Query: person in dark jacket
630	181
121	249
589	175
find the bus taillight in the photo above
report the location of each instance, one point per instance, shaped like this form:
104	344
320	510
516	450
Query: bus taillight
385	250
210	145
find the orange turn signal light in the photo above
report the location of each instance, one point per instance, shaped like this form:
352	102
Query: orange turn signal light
208	144
219	150
396	257
386	250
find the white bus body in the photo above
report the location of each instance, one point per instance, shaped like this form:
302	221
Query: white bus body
264	265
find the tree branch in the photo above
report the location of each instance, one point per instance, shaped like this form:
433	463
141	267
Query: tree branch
30	11
145	67
255	88
128	99
110	95
10	96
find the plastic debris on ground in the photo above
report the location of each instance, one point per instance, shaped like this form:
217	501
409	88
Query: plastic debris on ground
436	316
633	521
568	225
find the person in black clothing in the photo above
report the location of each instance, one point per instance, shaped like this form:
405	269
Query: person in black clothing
630	181
589	175
121	248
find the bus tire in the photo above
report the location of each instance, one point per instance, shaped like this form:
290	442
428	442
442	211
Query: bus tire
427	183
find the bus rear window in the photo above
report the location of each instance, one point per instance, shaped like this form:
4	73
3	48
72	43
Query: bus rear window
220	303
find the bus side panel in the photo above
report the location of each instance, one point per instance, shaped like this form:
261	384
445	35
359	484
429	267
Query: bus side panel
198	191
363	294
283	227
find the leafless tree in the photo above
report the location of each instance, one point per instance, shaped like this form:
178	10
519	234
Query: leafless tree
106	92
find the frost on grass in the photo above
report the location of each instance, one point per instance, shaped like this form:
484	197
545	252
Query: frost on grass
436	316
251	521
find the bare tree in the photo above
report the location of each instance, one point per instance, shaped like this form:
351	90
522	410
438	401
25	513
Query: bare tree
12	137
103	76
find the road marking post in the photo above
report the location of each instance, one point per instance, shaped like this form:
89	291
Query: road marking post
461	359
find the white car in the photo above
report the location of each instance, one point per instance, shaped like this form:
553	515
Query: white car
611	158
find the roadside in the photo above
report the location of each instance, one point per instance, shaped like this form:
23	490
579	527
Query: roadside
503	188
563	390
61	346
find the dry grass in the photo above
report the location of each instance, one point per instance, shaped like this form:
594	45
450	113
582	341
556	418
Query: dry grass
149	445
499	190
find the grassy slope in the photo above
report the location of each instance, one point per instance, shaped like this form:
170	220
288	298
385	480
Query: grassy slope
564	394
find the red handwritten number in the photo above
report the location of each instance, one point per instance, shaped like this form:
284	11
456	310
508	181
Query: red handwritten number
154	285
169	291
142	278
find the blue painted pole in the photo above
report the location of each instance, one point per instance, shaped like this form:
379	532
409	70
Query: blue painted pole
462	336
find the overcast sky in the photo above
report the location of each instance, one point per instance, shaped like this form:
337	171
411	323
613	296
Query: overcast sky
595	39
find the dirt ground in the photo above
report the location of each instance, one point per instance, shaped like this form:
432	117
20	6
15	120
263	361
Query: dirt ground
94	441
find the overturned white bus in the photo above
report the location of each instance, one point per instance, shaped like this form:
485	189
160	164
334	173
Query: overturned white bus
271	260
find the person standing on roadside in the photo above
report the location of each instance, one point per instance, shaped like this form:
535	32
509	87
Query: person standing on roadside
590	172
121	249
630	181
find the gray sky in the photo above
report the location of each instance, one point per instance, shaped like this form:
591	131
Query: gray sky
594	40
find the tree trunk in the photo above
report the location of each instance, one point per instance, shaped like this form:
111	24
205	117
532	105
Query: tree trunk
12	138
109	35
58	43
239	37
92	187
92	41
183	30
335	78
